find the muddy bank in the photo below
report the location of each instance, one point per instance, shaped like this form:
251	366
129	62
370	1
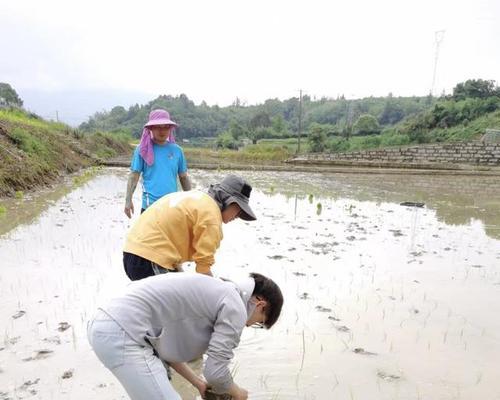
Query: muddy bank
35	153
382	301
331	167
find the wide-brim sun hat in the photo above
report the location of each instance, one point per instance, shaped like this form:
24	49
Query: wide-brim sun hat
239	192
159	117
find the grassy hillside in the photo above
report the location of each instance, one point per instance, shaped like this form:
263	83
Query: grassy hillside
34	152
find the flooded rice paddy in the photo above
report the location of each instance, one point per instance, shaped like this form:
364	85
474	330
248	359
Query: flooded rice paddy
382	301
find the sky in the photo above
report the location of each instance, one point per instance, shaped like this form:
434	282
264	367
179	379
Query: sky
82	56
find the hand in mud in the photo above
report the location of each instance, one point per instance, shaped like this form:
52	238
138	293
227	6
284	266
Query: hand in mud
202	388
241	394
129	209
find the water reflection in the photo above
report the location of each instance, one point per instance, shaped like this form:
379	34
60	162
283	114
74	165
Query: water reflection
381	301
457	200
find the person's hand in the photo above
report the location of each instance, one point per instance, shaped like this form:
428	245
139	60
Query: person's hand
202	387
129	209
238	393
241	394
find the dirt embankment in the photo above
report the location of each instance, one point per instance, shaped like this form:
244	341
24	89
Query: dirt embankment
34	152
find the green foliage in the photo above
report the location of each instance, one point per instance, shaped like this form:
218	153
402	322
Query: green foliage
262	152
393	138
278	124
392	113
28	142
366	125
267	152
19	195
449	113
260	133
38	151
8	96
86	176
236	130
226	140
281	117
3	210
339	145
475	88
317	137
260	120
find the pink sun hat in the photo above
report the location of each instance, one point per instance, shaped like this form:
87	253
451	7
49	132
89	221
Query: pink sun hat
156	117
159	117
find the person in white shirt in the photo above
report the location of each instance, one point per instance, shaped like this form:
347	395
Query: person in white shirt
177	318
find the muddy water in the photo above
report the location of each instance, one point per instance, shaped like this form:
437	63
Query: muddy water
381	301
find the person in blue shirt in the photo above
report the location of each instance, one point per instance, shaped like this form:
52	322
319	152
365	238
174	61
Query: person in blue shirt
159	160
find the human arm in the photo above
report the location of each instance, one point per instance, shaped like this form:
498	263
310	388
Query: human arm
187	373
231	319
206	241
133	179
185	181
182	172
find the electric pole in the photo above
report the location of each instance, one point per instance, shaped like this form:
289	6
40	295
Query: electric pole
438	39
300	121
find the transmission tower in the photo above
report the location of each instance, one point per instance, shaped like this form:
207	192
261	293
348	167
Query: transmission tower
438	39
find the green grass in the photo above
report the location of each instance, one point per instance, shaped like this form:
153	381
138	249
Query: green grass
3	210
259	153
86	176
470	131
20	116
35	152
290	143
29	143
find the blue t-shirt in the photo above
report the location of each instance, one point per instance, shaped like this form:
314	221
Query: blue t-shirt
160	178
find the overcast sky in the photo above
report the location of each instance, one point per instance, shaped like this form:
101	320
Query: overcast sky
219	50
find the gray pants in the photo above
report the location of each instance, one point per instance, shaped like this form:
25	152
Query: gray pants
139	370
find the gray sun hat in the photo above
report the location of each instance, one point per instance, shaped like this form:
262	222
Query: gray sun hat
239	191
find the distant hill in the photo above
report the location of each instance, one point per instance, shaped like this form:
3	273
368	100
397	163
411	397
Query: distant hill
282	117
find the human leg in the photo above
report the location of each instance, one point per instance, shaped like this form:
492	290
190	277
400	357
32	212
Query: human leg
139	370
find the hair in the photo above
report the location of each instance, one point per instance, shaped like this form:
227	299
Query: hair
269	291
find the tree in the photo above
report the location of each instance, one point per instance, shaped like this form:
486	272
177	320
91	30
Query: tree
475	88
226	141
8	96
317	137
366	125
260	120
392	113
278	124
236	130
259	133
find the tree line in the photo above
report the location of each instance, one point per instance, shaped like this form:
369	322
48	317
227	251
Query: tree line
272	119
327	123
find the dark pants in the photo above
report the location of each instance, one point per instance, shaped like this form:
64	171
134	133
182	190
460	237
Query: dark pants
138	268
